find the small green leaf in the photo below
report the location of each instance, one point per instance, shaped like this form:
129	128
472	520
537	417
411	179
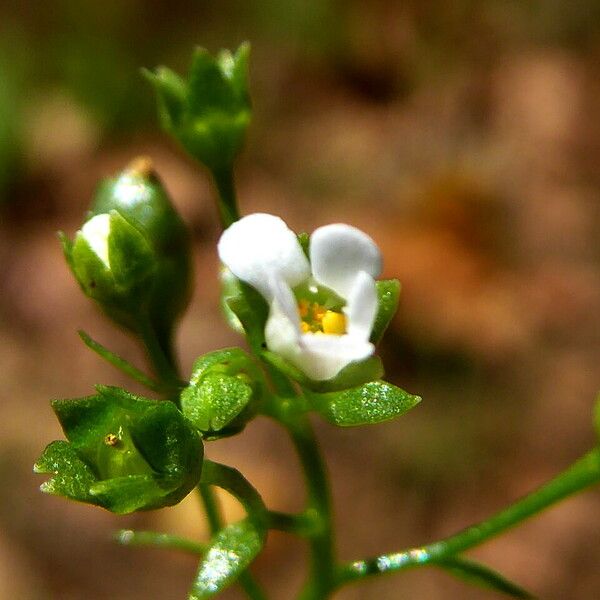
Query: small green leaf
388	294
116	361
481	575
373	402
229	554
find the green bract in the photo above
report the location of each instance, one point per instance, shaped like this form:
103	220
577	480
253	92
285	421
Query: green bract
218	400
230	552
124	453
373	402
133	253
210	111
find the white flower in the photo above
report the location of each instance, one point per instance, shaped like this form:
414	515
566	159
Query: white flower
320	313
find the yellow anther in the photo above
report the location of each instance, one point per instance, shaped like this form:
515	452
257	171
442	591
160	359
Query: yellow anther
318	312
303	308
334	323
304	326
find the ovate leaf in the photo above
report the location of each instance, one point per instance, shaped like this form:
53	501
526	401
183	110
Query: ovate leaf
229	554
373	402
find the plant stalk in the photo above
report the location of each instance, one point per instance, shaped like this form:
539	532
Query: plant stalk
583	473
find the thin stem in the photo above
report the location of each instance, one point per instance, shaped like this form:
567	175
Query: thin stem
582	474
129	537
162	359
211	507
322	562
227	202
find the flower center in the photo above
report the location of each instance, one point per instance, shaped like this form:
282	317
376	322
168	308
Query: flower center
315	318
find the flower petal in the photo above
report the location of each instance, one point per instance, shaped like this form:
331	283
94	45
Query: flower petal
282	330
322	357
361	306
260	247
96	232
338	253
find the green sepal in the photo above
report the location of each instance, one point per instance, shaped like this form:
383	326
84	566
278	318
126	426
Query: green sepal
218	400
388	295
171	92
208	112
371	403
131	258
245	309
229	554
71	476
350	376
124	452
477	574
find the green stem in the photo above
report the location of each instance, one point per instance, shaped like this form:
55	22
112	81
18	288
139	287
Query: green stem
129	537
322	563
161	358
582	474
227	203
211	507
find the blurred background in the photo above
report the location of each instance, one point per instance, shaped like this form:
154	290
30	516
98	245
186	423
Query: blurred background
463	136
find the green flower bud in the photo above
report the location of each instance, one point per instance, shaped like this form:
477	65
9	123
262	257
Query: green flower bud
124	453
221	397
210	111
133	254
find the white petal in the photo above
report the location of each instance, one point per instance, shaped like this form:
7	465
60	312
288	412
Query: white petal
282	330
260	247
95	232
338	253
323	356
361	306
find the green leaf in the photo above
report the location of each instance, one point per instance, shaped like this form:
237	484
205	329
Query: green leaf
481	575
116	361
229	554
373	402
388	294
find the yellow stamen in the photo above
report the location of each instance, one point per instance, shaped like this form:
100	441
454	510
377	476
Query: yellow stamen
333	323
305	327
303	308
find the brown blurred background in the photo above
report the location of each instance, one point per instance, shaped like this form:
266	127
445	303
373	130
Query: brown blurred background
463	136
